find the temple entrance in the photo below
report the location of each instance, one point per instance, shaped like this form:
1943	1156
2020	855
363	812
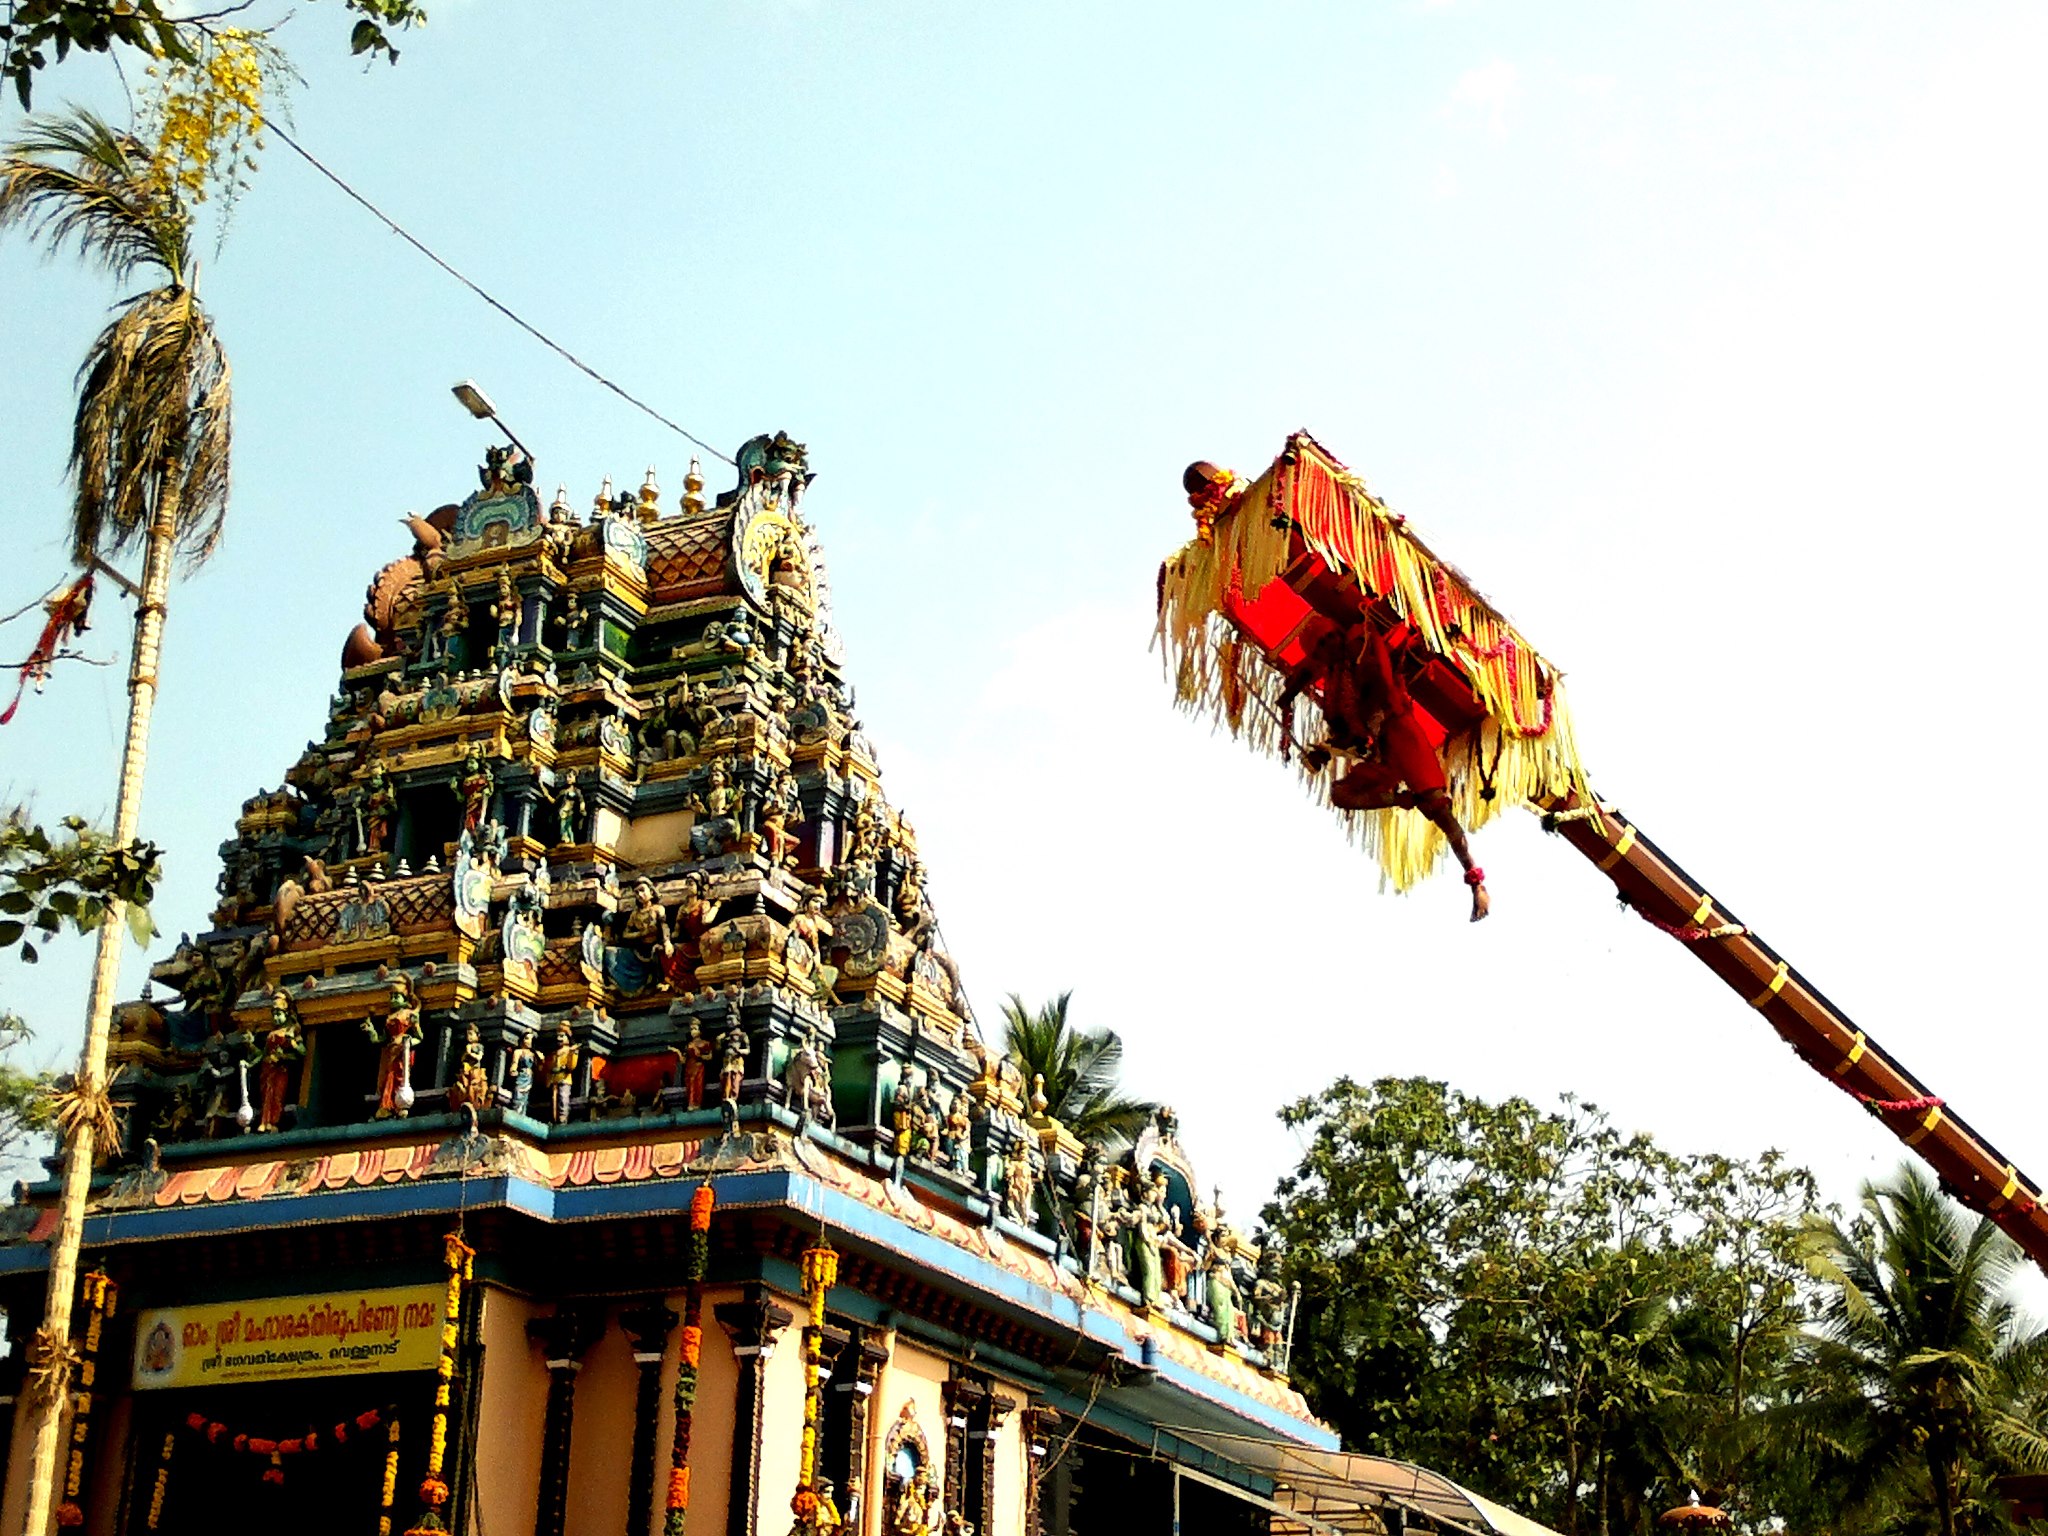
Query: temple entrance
223	1482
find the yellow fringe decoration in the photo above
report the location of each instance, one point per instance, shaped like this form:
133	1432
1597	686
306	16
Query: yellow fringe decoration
1220	674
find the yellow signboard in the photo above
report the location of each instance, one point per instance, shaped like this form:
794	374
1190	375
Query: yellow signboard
338	1333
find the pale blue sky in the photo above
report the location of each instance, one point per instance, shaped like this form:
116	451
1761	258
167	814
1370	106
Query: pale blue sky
1706	337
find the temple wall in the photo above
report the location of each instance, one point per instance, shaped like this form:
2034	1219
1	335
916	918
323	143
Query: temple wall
782	1423
514	1398
601	1439
1013	1464
915	1376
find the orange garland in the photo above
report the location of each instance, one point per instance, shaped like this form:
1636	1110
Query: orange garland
686	1368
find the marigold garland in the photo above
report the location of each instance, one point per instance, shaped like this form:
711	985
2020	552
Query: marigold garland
100	1294
686	1367
460	1259
820	1271
390	1489
162	1486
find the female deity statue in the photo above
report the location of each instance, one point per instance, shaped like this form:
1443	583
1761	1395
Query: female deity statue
397	1033
697	1054
1147	1227
519	1068
282	1046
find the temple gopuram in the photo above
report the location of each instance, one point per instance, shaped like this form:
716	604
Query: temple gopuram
572	1120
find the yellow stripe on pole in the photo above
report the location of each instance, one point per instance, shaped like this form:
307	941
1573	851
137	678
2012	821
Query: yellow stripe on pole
1777	985
1620	850
1704	911
1933	1119
1855	1055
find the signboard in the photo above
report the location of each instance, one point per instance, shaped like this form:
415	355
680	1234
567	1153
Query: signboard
337	1333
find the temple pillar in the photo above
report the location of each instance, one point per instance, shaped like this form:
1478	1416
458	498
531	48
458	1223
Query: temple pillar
753	1322
563	1338
648	1326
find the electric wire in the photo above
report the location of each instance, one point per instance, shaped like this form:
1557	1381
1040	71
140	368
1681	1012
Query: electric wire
538	335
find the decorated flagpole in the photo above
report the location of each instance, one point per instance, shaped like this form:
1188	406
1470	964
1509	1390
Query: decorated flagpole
86	1118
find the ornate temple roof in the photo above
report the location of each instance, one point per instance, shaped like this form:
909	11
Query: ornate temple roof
587	891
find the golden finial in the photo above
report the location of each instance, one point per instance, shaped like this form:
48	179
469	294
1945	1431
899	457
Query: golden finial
693	489
650	497
602	507
560	511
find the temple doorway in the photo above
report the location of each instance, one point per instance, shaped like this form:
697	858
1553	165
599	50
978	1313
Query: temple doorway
230	1479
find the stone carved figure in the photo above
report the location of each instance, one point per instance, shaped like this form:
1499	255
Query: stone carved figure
396	1034
282	1045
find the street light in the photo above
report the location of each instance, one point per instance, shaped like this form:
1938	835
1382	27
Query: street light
478	404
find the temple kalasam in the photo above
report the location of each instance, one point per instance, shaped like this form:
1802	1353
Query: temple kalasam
573	1120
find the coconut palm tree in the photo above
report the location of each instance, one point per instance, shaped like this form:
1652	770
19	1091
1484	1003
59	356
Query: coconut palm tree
149	464
1915	1387
1080	1068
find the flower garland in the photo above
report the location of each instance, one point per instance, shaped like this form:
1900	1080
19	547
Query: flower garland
162	1485
100	1295
390	1488
678	1504
461	1261
820	1270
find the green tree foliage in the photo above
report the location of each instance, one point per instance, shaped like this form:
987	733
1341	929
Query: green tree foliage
154	423
35	34
1081	1068
1920	1382
26	1112
50	883
1561	1316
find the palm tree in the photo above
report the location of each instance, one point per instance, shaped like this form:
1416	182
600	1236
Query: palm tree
1914	1388
1080	1068
149	464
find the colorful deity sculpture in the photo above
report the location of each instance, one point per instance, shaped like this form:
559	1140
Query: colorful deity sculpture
808	1081
224	1079
282	1045
1146	1227
519	1070
396	1034
471	1084
645	931
696	1054
572	811
732	1069
379	807
1219	1275
474	784
562	1073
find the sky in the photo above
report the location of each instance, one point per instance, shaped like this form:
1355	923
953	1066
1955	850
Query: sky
1705	337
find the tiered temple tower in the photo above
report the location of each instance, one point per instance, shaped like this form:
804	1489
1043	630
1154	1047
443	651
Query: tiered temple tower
580	977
